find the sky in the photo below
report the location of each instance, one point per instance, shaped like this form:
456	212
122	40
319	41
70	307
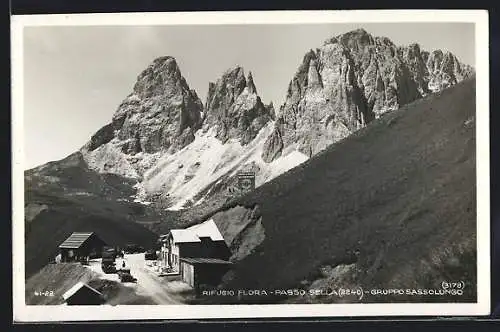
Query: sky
76	76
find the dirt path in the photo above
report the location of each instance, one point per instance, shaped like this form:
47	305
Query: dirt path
148	284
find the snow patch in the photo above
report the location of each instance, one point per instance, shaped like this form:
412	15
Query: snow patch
189	171
138	200
79	193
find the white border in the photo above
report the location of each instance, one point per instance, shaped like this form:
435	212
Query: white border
83	313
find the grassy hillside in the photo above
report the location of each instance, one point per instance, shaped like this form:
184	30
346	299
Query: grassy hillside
47	286
55	279
393	205
65	196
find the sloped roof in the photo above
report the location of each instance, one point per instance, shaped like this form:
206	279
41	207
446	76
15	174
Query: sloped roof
69	293
75	240
192	234
207	229
184	235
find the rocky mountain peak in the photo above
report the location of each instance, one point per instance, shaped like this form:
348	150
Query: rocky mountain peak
413	50
161	76
352	79
354	37
413	57
233	108
445	70
250	83
356	40
161	114
235	79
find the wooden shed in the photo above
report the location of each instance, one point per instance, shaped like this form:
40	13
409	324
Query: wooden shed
203	271
83	294
80	245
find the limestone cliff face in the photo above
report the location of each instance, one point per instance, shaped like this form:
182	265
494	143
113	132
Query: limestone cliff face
446	70
351	80
273	145
164	138
233	108
161	114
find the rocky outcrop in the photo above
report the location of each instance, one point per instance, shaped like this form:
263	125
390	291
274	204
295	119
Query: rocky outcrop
446	70
161	114
351	80
102	136
271	110
417	66
233	108
273	146
323	102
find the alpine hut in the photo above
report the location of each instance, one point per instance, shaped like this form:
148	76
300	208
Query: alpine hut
83	294
79	245
198	253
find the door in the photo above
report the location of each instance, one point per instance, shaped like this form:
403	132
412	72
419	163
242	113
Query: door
188	274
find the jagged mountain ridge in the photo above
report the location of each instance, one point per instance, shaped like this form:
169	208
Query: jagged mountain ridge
225	136
351	80
170	144
234	108
162	112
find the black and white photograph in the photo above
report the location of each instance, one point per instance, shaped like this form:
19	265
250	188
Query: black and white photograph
250	164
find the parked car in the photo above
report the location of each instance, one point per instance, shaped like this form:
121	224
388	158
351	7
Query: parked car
109	253
133	248
150	255
108	263
84	260
108	268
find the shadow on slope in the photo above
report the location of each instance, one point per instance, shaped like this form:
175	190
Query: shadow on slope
48	285
55	279
395	201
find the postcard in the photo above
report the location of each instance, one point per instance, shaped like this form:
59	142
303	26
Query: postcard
200	165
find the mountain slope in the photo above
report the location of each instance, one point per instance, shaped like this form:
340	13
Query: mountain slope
391	206
160	115
58	279
66	196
